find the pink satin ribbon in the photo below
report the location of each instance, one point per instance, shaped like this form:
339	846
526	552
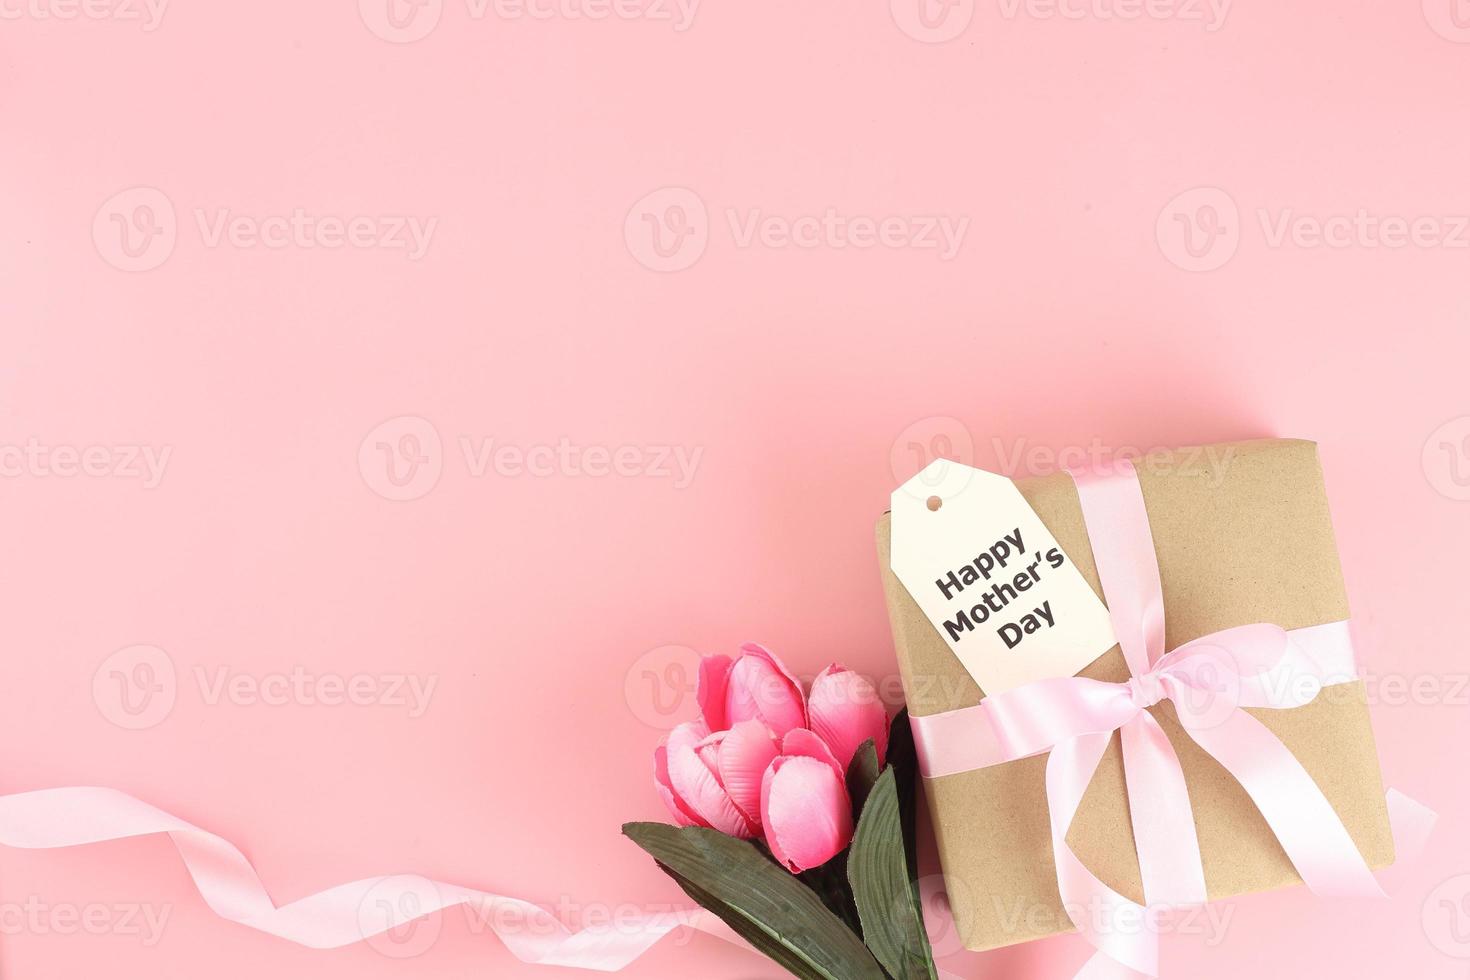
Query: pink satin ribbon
1209	680
339	916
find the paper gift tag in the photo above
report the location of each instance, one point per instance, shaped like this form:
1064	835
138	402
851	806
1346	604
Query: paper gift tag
992	579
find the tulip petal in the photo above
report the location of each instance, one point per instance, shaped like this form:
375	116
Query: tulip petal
806	811
682	814
761	688
756	650
845	711
698	786
804	742
745	754
714	679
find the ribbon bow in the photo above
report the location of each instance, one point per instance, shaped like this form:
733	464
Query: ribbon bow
1208	681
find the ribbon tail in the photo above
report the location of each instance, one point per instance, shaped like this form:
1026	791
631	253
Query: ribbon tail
341	915
1411	822
1123	932
1302	819
1162	817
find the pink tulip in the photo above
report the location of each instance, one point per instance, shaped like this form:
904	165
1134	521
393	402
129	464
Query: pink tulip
756	686
845	713
805	808
714	779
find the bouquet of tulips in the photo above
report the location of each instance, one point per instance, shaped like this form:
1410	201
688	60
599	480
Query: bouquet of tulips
794	819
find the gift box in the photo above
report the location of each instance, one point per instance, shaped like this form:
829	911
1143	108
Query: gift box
1247	541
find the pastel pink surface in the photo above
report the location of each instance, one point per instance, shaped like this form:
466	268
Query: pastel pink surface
553	611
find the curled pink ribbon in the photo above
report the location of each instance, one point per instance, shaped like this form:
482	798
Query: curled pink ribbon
1209	681
344	914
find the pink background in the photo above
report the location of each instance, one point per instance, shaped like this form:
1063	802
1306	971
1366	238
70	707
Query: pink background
1074	313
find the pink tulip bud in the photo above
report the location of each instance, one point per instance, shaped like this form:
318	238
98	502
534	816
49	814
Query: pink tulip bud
846	712
714	779
805	808
754	687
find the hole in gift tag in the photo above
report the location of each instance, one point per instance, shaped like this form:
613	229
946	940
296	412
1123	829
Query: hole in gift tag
934	503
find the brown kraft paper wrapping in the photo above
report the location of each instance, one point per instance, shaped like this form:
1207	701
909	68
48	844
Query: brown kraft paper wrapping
1247	541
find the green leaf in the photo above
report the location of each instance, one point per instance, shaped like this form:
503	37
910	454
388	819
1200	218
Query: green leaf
862	773
829	882
878	868
761	901
746	929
